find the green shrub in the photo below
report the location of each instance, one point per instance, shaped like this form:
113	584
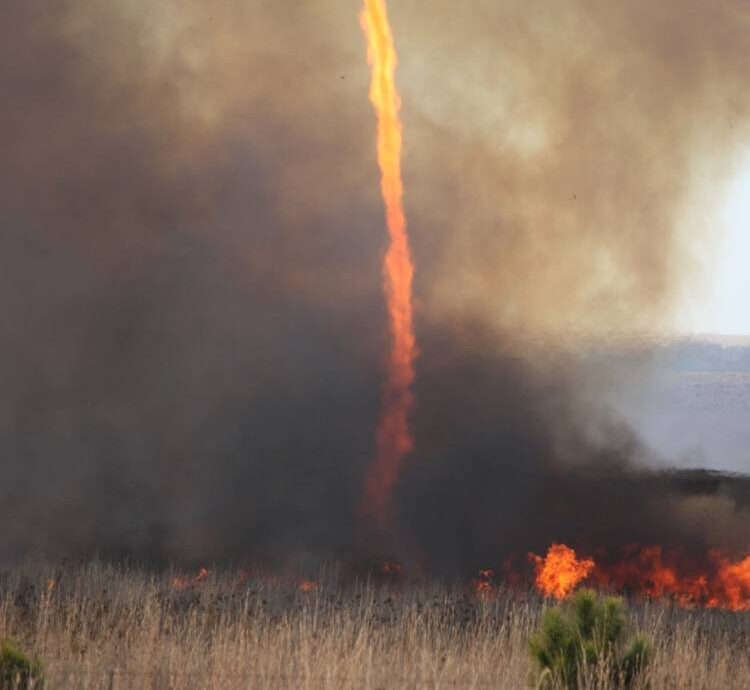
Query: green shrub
17	670
585	634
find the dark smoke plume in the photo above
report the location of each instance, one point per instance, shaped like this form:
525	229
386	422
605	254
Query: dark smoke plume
193	326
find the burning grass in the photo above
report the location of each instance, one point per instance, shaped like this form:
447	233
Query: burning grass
98	626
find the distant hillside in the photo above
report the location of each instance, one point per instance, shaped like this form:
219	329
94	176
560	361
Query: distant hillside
708	355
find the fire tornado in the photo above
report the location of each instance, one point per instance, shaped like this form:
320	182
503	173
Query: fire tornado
394	440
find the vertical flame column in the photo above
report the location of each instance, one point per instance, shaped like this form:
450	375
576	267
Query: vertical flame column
394	440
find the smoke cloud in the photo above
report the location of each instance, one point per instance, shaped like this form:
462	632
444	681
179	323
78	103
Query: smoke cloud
193	326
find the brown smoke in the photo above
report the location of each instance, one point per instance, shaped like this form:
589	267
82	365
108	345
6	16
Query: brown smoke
564	159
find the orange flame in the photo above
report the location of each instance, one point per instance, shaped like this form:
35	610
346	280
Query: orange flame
394	440
560	571
732	585
649	572
307	586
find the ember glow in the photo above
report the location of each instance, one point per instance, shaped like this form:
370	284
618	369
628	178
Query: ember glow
648	572
483	584
393	570
182	582
394	440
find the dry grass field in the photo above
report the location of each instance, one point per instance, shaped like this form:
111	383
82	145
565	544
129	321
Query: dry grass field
100	627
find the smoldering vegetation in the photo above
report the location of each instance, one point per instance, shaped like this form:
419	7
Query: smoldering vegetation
193	325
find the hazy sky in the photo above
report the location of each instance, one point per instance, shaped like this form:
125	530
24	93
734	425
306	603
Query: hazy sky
720	304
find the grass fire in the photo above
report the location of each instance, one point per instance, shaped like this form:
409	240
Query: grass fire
257	430
647	572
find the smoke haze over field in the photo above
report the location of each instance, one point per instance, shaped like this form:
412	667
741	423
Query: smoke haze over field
193	327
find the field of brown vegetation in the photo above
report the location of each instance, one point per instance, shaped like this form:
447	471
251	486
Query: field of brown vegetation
97	626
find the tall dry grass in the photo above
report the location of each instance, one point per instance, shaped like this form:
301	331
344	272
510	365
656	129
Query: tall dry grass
97	626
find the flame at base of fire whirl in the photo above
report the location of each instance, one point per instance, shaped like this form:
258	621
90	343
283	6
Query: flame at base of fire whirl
649	572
